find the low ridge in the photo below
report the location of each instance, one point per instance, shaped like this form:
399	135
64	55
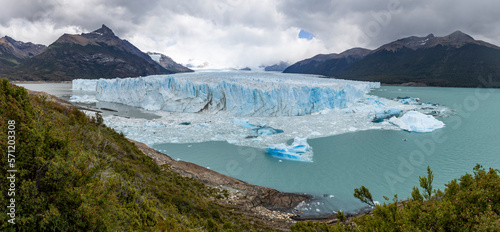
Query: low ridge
455	60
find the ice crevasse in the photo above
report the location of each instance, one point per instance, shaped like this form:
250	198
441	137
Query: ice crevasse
250	94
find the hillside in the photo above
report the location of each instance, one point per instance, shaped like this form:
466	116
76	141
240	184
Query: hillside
168	63
76	174
13	52
330	64
280	67
98	54
456	60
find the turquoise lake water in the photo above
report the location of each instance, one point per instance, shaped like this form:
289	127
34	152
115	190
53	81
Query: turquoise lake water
387	162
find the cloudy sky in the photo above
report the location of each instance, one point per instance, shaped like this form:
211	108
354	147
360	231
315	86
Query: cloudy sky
239	33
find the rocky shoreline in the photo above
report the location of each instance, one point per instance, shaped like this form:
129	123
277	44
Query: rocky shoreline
266	202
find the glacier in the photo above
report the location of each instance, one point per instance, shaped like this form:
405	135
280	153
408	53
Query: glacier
84	84
250	94
196	107
417	122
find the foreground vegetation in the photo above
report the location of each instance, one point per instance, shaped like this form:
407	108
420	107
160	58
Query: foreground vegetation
76	174
471	203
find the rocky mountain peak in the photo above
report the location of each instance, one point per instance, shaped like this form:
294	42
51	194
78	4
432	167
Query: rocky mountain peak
10	39
18	50
104	30
461	35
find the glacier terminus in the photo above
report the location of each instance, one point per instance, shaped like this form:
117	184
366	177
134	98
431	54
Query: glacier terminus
264	110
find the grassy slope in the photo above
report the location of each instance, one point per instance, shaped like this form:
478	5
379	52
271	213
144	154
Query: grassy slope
75	174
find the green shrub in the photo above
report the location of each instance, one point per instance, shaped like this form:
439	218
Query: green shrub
76	174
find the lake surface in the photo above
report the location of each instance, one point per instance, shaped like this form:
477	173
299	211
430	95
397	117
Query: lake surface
387	162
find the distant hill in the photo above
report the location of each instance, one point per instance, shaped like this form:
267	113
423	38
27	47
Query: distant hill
328	64
277	67
14	52
168	63
98	54
456	60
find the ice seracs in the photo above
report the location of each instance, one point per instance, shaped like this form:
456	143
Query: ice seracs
240	94
84	84
414	121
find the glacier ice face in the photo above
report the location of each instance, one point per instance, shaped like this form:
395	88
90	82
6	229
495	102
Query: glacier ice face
261	103
84	84
417	122
298	151
242	94
83	99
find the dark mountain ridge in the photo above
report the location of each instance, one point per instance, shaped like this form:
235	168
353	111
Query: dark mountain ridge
455	60
13	52
328	63
98	54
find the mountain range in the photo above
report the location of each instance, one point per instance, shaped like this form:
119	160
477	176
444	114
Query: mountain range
14	52
98	54
455	60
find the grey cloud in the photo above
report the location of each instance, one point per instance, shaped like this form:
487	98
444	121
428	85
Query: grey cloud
337	24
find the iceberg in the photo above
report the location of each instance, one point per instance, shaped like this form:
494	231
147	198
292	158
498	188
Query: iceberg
240	94
417	122
266	130
84	84
298	151
409	100
379	114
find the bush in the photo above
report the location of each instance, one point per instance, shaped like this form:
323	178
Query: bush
471	203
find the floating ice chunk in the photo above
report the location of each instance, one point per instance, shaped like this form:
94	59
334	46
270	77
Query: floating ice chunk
371	100
83	99
409	100
266	130
204	124
315	133
84	84
379	114
239	121
298	151
247	125
417	122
